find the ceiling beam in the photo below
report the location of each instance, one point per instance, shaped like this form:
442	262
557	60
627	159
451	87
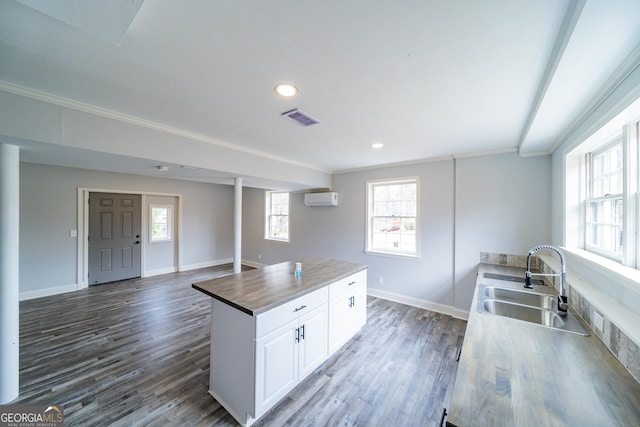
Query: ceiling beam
567	27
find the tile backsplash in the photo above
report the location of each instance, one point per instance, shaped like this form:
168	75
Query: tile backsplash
507	259
620	345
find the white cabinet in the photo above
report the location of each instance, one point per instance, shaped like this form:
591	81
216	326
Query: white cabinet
347	309
287	355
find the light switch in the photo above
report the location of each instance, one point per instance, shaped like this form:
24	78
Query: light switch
73	233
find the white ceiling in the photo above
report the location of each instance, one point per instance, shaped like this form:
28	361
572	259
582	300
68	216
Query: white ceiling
428	78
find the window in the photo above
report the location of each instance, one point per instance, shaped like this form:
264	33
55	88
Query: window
277	216
605	200
392	226
160	223
607	218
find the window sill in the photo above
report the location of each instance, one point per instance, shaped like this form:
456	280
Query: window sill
611	288
276	240
626	276
392	255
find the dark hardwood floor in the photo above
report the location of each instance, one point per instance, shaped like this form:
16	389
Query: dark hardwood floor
137	353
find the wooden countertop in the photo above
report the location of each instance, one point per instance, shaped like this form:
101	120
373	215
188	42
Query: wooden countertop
513	373
259	290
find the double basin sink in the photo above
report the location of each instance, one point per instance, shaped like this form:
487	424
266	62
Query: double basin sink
532	307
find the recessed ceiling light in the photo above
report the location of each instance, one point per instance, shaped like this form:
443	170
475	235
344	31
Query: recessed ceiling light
377	145
161	168
285	89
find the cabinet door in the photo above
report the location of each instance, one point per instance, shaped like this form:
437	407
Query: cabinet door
359	308
340	327
348	313
276	365
313	340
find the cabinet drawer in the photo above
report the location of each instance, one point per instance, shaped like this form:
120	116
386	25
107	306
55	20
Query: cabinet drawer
350	282
274	318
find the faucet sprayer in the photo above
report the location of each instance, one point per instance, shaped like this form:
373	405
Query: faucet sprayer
562	298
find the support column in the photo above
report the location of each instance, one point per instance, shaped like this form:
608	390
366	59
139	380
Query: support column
237	226
9	272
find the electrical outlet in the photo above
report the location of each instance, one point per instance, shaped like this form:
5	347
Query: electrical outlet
380	280
598	321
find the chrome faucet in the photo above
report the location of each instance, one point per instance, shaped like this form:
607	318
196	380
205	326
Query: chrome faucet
562	298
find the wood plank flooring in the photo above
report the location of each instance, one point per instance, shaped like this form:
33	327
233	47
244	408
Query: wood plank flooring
137	353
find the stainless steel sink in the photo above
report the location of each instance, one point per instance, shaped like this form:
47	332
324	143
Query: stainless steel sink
521	297
531	307
522	312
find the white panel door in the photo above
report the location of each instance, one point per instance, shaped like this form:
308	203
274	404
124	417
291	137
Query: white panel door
114	237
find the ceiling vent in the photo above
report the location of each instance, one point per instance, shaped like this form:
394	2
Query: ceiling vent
299	117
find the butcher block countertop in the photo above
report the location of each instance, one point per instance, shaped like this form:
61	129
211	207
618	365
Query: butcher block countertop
514	373
262	289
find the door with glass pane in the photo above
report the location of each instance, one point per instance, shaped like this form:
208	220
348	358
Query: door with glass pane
114	237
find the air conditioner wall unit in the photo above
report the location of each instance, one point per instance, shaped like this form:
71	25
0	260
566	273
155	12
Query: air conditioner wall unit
321	199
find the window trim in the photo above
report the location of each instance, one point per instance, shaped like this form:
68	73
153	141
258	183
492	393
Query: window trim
369	185
169	208
267	222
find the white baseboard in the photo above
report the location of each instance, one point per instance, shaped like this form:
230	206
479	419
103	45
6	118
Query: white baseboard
205	264
252	263
159	271
420	303
46	292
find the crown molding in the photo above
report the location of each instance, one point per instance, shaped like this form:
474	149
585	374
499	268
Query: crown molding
485	153
435	159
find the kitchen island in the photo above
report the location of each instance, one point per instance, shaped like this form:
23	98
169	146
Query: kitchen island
270	328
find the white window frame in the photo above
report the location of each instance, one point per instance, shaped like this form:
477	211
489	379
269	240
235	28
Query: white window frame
629	254
269	215
169	237
369	244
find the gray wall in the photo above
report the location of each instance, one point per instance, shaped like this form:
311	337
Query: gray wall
503	205
497	203
48	211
